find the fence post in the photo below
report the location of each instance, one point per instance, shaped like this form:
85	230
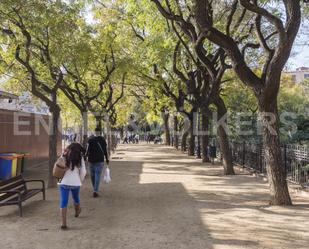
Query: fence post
243	153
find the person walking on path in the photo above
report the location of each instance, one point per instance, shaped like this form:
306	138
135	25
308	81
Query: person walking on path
212	152
96	153
72	180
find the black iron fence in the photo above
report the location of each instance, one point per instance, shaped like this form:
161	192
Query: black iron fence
295	160
248	155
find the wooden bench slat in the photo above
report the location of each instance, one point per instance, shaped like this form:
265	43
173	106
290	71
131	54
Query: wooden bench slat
13	186
11	180
17	184
6	196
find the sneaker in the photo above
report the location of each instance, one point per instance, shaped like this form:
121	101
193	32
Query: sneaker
95	194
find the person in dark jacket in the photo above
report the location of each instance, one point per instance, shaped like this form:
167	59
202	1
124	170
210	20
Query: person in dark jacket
96	154
212	153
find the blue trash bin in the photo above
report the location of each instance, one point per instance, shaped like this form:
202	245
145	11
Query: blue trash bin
6	164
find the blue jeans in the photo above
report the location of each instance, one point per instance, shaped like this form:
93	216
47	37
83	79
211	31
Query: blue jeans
95	172
64	191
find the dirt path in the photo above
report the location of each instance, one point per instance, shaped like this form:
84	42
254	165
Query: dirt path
160	198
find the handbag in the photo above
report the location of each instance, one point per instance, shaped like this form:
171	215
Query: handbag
60	168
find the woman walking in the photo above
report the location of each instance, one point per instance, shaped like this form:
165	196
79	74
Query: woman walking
72	180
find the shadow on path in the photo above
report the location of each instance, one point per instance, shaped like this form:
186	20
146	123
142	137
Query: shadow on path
161	198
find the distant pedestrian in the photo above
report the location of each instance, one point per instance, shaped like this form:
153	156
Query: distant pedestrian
118	138
72	180
149	137
212	152
136	138
131	138
96	154
125	140
157	140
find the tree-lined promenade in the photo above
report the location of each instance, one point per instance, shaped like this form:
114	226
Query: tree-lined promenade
94	63
161	198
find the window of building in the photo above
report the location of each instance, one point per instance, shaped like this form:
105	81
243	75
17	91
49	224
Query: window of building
306	75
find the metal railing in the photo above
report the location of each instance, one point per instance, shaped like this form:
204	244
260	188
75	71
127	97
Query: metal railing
295	159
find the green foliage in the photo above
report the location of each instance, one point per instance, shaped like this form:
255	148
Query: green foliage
294	99
36	34
139	37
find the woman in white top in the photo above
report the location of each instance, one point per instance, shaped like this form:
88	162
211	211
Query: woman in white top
72	180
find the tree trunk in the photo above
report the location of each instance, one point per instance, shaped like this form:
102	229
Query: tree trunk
121	132
53	144
198	137
223	139
166	128
108	138
85	128
184	141
98	120
191	139
279	192
175	132
205	137
198	149
114	140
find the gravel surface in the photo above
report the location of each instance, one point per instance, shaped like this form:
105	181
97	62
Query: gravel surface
160	198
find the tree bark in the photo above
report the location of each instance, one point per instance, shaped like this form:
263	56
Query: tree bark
98	120
121	132
108	138
175	132
166	128
198	149
191	139
85	128
53	144
184	141
114	141
279	192
205	137
198	137
223	139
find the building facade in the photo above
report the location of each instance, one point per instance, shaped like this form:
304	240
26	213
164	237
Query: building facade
24	132
24	103
300	74
24	127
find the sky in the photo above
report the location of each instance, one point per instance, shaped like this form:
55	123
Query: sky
300	53
300	59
